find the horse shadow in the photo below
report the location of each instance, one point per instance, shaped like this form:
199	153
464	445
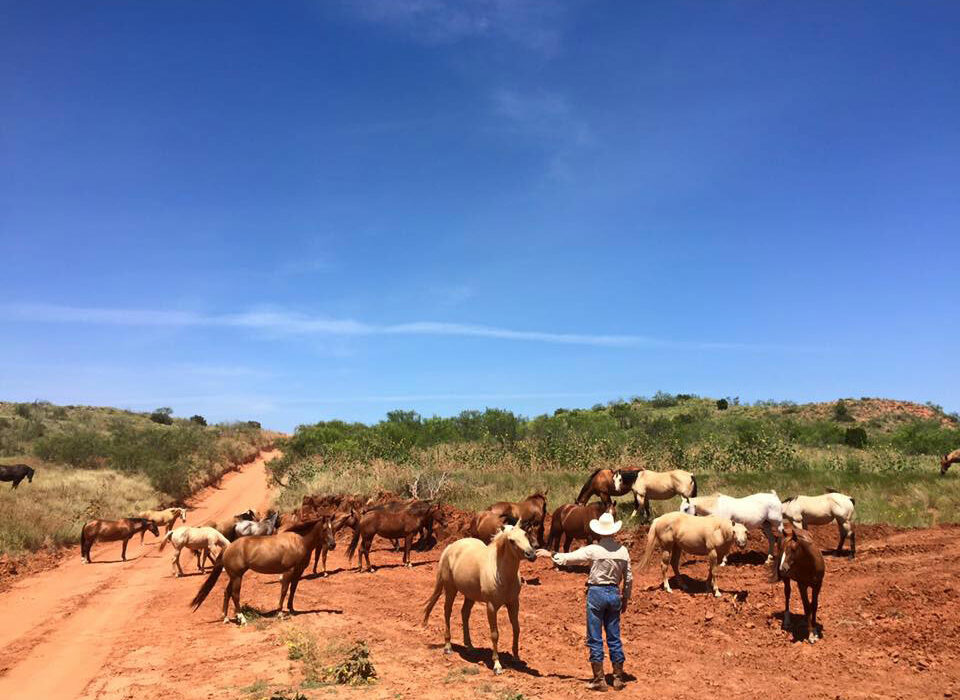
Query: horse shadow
798	626
115	561
477	655
746	559
696	586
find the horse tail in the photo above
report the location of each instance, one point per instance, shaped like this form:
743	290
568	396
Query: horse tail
693	488
208	584
587	489
648	551
353	544
166	538
437	590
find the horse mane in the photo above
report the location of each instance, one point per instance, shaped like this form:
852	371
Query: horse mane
305	526
588	486
793	498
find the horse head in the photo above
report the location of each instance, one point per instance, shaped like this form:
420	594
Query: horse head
183	514
530	528
617	481
151	526
516	539
944	464
30	475
740	535
329	531
686	506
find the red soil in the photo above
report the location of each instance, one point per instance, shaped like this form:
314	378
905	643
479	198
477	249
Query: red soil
114	630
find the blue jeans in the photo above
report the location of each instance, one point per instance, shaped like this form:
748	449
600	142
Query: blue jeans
603	613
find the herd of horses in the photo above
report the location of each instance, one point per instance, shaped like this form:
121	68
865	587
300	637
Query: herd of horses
484	564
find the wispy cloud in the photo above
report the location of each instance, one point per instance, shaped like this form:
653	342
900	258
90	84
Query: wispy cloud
532	24
294	323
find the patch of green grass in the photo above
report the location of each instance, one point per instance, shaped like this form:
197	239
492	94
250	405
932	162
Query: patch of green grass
258	687
302	646
458	674
355	668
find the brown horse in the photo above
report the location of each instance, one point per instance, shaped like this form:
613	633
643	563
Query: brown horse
572	521
391	523
532	510
947	460
801	561
340	520
604	483
111	531
286	553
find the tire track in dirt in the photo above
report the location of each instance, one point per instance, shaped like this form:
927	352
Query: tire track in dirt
61	627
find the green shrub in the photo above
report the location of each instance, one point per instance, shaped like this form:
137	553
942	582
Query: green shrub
355	669
841	413
855	437
722	404
163	416
663	400
198	419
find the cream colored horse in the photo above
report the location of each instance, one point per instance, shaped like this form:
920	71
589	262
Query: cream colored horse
804	511
760	510
659	486
199	540
678	532
166	517
484	574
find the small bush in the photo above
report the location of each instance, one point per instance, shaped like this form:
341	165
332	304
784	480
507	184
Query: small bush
663	400
198	419
855	437
23	410
355	669
722	404
841	413
163	416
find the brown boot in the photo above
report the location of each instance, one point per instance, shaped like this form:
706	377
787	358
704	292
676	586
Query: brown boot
618	676
598	683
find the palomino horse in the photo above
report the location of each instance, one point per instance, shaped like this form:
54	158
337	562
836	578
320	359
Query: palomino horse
646	486
802	562
947	460
391	523
286	553
267	526
532	510
111	531
804	511
197	540
572	522
678	532
166	517
761	510
484	573
17	472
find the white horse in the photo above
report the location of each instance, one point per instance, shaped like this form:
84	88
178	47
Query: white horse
196	539
804	511
267	526
759	510
484	573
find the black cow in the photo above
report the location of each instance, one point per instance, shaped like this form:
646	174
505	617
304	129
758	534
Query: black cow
15	473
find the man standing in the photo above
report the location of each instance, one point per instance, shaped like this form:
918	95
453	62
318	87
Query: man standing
609	566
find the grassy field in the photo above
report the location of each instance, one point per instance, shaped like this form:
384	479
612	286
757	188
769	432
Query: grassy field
106	463
892	471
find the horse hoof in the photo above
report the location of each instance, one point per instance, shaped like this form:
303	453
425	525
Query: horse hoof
226	619
241	620
717	594
448	650
498	670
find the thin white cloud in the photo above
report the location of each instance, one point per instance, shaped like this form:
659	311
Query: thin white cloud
292	323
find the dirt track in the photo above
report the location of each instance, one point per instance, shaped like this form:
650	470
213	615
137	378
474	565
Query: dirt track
113	630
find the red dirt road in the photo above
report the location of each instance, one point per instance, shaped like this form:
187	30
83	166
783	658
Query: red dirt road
112	631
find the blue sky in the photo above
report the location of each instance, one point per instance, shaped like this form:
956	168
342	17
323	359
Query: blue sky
294	211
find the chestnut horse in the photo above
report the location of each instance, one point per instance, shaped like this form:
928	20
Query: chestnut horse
111	531
286	553
801	561
532	511
484	573
572	521
947	460
391	523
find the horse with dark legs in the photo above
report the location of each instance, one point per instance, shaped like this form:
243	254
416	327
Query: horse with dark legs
604	483
532	510
390	523
339	521
286	553
801	561
16	473
947	460
572	522
113	531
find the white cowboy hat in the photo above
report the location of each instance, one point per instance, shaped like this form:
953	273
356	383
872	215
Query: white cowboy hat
605	525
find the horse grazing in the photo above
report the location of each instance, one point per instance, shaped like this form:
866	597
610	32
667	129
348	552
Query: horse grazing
761	510
572	522
804	511
286	553
247	528
801	561
678	532
484	573
945	461
532	510
111	531
17	472
166	517
196	539
417	507
391	523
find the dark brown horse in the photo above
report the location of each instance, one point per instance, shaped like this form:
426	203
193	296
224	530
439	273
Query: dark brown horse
111	531
286	553
947	460
391	523
16	473
485	525
801	561
604	483
532	511
572	522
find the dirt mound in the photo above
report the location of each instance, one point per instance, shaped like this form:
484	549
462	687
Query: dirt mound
887	412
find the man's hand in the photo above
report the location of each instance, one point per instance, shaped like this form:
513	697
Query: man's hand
623	605
544	553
